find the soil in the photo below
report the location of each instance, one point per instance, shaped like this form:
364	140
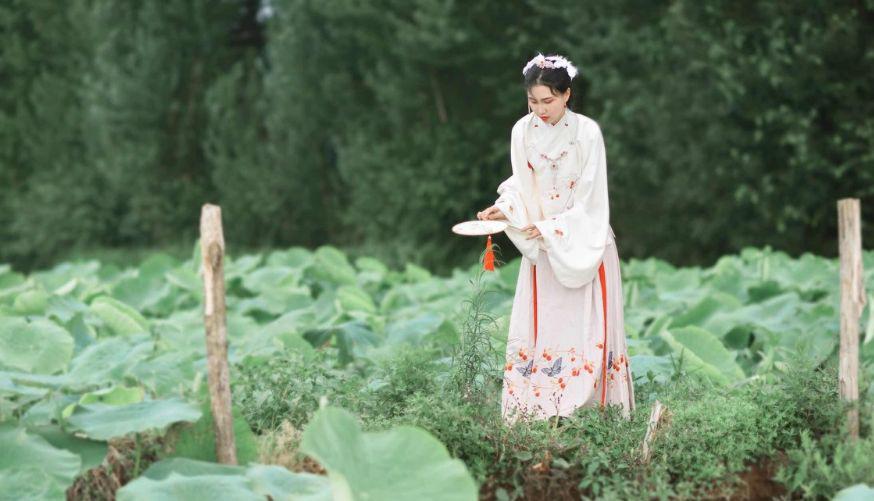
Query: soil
757	481
540	481
117	469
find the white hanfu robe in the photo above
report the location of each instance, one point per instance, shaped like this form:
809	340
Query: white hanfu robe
566	344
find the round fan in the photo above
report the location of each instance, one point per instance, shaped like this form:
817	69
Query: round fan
478	228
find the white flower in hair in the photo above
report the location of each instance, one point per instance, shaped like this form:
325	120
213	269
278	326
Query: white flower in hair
551	62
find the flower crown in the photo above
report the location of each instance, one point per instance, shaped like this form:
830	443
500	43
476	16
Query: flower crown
551	62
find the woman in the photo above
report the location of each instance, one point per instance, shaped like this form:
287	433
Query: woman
566	346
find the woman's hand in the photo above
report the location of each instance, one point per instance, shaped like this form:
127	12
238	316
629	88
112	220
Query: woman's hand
533	232
491	213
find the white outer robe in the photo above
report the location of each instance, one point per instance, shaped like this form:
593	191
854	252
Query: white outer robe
577	237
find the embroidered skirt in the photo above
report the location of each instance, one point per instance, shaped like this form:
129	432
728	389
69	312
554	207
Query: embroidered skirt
561	352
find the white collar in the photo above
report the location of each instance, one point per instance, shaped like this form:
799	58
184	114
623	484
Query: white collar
545	138
564	121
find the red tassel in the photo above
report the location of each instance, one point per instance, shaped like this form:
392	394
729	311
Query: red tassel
489	259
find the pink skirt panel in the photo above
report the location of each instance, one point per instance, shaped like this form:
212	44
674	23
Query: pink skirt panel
563	353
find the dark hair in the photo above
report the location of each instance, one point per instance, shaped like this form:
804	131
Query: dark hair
557	79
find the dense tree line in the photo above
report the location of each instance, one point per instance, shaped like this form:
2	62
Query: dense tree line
377	125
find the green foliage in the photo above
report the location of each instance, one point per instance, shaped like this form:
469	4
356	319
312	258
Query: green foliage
288	387
39	346
726	109
714	433
475	360
120	318
821	468
404	462
395	382
125	356
197	440
377	126
50	197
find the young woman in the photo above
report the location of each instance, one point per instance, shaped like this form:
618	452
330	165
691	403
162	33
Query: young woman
566	346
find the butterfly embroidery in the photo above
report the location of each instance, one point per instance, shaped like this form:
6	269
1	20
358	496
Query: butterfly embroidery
554	370
526	371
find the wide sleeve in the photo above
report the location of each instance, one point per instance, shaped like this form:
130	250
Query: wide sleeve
512	201
577	238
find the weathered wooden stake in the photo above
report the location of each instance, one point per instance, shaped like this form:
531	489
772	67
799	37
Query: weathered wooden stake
852	302
655	418
212	247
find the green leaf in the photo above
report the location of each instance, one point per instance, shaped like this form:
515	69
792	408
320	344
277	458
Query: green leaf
294	257
102	422
142	292
281	484
107	360
858	492
40	346
114	395
180	478
271	278
351	298
23	450
121	319
30	482
92	452
645	366
197	440
413	330
275	300
190	468
166	372
370	269
332	266
711	313
414	273
351	338
369	264
186	279
288	330
65	308
243	266
182	488
31	302
9	278
401	463
9	387
703	351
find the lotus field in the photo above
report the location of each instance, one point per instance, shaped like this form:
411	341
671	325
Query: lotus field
351	380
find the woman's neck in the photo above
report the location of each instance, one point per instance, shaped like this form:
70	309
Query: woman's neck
559	119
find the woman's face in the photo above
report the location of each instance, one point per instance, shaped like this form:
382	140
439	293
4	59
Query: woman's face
547	105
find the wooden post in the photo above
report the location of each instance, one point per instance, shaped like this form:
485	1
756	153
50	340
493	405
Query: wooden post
852	302
212	247
655	418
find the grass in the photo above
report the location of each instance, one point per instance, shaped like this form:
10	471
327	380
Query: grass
717	439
